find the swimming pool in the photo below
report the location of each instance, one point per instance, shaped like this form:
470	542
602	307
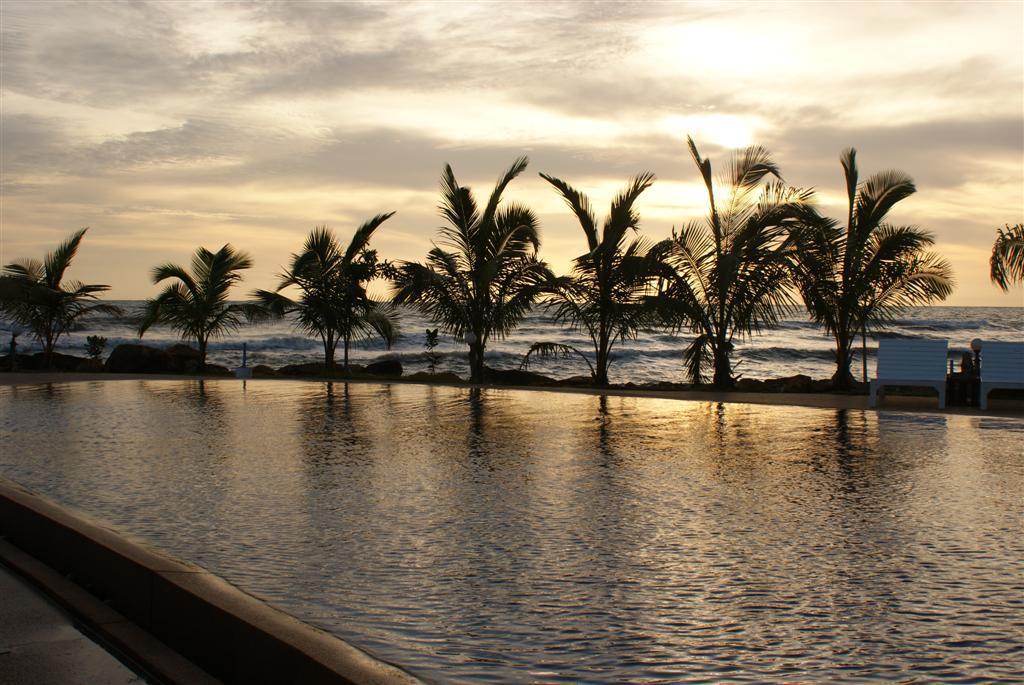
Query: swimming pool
530	536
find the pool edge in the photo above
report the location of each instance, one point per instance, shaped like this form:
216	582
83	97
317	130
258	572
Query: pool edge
229	633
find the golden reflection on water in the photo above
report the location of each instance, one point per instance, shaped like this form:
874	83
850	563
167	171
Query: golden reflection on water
474	534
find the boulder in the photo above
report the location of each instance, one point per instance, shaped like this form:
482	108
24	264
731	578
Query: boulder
217	370
182	359
797	383
664	385
58	362
576	381
131	358
750	385
90	366
424	377
23	362
515	377
821	385
308	369
263	371
353	370
385	367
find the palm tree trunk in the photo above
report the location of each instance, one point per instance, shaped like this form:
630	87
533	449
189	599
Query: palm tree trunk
202	354
345	365
476	363
723	366
601	368
329	354
843	379
864	350
723	371
601	372
48	346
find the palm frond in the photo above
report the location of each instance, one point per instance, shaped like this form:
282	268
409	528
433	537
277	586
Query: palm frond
1006	266
553	350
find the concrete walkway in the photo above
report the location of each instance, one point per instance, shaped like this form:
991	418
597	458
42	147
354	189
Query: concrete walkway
40	645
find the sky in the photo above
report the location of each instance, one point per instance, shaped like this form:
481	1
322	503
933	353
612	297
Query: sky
163	126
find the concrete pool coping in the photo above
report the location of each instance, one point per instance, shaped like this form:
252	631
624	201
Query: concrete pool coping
142	594
914	404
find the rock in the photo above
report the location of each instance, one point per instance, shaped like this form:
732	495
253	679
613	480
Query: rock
23	362
131	358
58	362
516	377
750	385
182	359
217	370
424	377
797	383
385	367
353	370
664	385
90	366
821	385
263	371
576	381
308	369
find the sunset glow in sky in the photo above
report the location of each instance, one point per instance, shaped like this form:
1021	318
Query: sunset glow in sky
168	125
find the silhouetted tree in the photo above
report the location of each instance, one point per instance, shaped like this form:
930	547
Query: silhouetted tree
36	296
859	276
334	304
731	270
1007	262
196	304
605	296
487	279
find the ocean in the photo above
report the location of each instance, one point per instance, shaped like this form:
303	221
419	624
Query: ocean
795	346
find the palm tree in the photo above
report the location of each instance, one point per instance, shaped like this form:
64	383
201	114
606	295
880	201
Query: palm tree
35	296
1007	263
605	295
487	279
334	304
196	304
859	276
731	270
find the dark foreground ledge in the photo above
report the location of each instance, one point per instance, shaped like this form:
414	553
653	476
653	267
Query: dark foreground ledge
228	633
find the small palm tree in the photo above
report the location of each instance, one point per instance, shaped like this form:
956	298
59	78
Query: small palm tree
1007	262
859	276
35	296
334	304
731	270
196	304
606	294
488	278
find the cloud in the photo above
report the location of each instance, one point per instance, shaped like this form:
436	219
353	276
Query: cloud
180	122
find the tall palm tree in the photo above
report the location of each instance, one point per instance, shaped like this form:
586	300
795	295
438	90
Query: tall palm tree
196	304
859	276
487	279
605	294
334	304
36	296
731	270
1007	262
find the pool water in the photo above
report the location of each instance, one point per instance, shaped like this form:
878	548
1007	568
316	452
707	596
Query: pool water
512	536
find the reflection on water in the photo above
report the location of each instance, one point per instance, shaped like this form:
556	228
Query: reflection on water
511	536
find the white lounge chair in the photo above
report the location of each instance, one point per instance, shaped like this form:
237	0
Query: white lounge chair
919	363
1002	366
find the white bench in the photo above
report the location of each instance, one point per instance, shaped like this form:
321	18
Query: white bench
1002	366
920	363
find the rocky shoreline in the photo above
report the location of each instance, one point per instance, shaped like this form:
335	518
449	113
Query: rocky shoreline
184	360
